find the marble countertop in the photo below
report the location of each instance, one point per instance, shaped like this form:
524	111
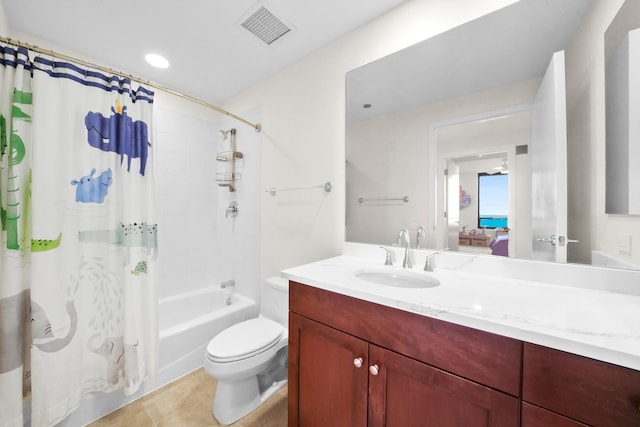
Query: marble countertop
595	323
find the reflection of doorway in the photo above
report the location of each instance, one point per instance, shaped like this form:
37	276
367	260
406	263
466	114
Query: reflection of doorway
495	133
469	201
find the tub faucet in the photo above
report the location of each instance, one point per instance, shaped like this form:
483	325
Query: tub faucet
404	240
228	284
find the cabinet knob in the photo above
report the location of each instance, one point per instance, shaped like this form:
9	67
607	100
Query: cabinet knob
357	362
374	369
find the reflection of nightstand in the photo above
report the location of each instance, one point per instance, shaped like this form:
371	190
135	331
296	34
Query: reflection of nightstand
479	240
473	239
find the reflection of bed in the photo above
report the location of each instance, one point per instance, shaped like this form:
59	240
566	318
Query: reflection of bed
500	245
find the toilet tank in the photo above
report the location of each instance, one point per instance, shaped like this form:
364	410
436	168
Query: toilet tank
274	303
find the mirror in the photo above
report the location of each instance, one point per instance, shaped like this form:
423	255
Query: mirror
459	101
622	64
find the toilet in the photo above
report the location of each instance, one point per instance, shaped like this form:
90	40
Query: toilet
249	359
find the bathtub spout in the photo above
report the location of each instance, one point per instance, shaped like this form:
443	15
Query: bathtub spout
228	284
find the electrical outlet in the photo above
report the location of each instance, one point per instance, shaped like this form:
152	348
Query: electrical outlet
624	243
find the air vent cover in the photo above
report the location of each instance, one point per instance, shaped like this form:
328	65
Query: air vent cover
265	25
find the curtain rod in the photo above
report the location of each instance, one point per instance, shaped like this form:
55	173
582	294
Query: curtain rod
35	48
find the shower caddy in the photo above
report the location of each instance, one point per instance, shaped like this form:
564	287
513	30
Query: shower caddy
230	176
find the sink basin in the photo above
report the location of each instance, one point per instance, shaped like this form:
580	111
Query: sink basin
396	277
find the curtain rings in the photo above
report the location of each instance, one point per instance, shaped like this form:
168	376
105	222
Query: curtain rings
53	59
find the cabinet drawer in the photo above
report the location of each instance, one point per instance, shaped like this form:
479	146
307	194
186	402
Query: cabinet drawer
532	416
480	356
591	391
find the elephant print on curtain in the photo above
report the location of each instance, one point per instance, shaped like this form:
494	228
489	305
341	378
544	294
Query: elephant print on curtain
79	237
120	134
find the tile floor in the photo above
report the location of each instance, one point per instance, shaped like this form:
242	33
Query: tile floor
187	402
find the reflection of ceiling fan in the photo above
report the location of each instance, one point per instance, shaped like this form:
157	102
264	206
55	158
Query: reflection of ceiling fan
503	168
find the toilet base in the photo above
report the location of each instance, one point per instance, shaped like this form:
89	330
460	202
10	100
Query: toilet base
238	399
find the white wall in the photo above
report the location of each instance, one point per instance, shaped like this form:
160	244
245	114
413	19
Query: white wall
4	24
303	119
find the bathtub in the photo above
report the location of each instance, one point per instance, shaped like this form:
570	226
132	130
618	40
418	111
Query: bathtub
187	322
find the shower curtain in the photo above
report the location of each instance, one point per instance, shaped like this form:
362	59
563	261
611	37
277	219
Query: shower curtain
79	238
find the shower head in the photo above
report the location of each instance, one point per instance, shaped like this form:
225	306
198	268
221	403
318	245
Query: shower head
224	134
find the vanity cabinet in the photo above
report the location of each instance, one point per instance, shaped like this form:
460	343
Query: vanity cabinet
355	363
574	387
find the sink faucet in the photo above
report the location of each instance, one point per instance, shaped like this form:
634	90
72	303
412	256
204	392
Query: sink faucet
430	262
388	260
404	240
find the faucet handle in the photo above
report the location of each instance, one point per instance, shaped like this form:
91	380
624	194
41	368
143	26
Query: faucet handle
421	234
387	260
429	263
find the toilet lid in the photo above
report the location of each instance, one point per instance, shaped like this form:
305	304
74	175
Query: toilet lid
244	339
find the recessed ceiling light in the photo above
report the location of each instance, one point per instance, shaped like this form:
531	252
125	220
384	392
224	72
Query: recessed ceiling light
367	105
156	60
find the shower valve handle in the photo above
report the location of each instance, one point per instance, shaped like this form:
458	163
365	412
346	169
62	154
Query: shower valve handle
232	209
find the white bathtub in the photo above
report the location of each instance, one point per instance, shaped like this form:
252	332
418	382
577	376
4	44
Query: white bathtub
187	323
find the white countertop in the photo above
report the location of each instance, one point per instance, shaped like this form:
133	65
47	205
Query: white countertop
595	323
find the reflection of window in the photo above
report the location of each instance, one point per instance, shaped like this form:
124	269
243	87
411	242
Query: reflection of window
493	200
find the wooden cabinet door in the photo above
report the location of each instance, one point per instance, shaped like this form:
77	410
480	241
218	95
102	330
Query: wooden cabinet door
408	393
326	388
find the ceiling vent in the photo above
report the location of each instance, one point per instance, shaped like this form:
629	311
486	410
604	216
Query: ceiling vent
265	25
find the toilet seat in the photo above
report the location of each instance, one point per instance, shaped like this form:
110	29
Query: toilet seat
243	340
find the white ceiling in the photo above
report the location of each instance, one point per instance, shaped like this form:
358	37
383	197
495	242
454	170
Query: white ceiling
212	57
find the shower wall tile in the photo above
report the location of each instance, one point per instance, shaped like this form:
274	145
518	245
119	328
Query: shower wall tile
198	246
